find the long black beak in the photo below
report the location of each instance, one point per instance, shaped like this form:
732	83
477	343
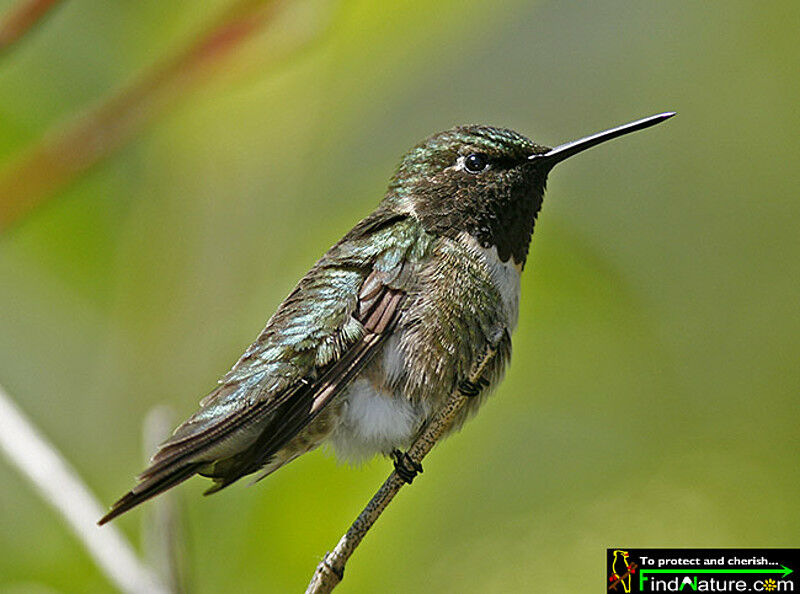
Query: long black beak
559	153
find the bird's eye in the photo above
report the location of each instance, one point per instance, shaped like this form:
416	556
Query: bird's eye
476	162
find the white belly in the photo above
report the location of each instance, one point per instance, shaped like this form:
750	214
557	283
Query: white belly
373	422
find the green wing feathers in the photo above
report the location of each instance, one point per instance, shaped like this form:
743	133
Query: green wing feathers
321	336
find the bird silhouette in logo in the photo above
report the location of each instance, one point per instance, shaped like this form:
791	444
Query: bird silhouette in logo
621	569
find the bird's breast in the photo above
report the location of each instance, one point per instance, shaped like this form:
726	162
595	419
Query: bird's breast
504	276
462	299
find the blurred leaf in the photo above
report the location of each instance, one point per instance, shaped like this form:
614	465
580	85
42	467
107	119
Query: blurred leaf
21	18
67	152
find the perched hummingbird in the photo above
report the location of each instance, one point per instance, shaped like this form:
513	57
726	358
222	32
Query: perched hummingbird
376	336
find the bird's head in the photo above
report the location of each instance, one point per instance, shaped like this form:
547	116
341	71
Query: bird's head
485	181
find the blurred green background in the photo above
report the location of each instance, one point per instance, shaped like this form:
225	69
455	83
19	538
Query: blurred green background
652	396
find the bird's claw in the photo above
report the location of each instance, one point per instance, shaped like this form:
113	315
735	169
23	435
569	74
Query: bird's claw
405	467
471	389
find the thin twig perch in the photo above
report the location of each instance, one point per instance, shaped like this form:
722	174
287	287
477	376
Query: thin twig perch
330	570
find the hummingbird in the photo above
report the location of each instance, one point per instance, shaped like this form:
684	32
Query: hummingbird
372	341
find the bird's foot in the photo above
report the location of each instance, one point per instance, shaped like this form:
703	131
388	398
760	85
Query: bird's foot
472	389
405	467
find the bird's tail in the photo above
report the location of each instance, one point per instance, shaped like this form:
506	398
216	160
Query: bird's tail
150	488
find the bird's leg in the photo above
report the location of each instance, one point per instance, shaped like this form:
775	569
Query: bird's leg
405	467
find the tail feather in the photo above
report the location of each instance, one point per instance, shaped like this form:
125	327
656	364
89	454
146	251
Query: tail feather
148	489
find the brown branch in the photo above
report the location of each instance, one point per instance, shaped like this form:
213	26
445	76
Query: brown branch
330	570
65	153
21	19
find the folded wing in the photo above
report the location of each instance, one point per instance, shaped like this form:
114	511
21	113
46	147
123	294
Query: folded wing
326	331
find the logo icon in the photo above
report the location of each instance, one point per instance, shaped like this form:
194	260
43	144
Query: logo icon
621	571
